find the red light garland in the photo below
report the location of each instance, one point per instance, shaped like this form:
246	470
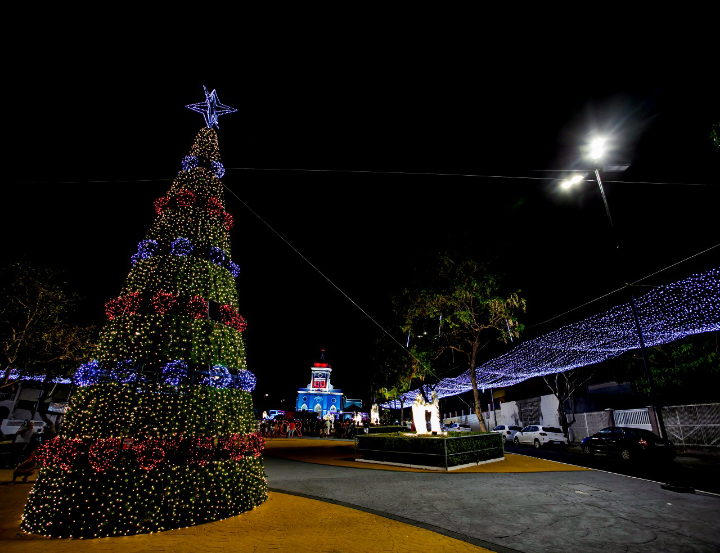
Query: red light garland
103	454
149	453
202	450
123	305
214	207
197	307
229	221
185	198
163	302
59	452
161	204
230	317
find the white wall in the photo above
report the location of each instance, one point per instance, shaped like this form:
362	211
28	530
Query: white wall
549	410
509	414
471	420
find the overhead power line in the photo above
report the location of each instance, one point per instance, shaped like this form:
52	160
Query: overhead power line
398	173
627	285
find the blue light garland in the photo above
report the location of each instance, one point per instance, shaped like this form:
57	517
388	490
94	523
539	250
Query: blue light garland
189	162
217	256
146	249
174	372
219	377
124	372
666	314
182	247
218	168
234	269
17	375
87	374
246	380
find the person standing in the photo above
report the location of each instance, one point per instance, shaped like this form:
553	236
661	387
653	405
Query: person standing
26	468
23	437
291	429
49	432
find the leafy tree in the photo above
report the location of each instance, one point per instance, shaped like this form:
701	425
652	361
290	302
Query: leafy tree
691	364
463	302
394	370
36	334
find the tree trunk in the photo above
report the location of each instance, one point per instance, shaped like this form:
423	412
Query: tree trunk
473	381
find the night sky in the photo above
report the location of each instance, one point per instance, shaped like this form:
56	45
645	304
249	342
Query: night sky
91	150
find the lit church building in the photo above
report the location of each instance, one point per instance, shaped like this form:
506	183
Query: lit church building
320	395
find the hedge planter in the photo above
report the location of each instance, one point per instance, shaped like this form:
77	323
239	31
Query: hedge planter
379	429
429	452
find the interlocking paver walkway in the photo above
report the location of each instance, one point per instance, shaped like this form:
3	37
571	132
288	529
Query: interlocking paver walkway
283	523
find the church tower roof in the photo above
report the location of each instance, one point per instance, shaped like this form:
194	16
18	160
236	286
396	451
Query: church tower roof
322	363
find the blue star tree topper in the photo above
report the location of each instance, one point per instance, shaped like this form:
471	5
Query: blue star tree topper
211	108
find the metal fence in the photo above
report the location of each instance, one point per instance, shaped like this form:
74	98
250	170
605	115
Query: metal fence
586	424
693	425
686	425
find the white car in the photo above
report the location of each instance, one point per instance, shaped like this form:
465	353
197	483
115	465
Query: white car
507	431
457	427
540	436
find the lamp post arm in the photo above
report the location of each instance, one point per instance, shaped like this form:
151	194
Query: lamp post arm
602	192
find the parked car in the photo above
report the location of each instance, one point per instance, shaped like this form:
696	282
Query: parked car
540	436
457	427
629	443
507	431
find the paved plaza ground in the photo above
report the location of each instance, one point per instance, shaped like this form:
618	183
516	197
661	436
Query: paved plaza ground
321	500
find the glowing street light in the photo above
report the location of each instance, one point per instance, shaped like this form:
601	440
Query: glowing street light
597	152
597	148
572	181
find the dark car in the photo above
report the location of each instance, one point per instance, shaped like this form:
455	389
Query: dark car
629	443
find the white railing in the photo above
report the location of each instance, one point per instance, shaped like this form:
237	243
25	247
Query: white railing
637	418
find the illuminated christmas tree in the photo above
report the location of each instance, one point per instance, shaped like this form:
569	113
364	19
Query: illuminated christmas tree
160	431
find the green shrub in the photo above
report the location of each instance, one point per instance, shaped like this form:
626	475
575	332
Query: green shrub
462	448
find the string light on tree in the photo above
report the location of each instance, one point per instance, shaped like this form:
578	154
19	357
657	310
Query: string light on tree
159	431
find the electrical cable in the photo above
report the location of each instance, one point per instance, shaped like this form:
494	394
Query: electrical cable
369	172
627	285
328	280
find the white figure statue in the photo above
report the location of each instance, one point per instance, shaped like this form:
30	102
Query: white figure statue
419	408
357	418
375	414
434	409
418	411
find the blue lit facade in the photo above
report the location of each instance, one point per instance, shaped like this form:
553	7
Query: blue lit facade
320	395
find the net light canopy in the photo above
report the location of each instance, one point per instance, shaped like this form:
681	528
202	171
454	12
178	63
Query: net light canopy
667	313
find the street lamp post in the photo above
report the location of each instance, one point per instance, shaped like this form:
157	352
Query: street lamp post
597	151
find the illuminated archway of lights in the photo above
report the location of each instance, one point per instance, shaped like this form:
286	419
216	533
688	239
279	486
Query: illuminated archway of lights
667	313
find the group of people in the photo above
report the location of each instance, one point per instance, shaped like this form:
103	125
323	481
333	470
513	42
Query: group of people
308	427
23	454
